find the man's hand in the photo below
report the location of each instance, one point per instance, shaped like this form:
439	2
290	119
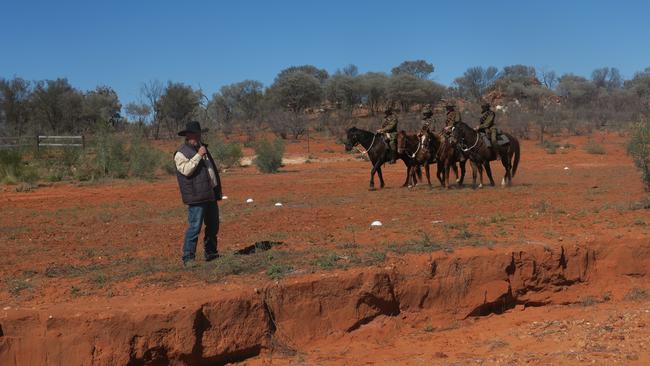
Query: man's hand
202	151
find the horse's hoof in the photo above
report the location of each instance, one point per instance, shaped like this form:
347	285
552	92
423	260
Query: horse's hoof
372	189
503	182
480	186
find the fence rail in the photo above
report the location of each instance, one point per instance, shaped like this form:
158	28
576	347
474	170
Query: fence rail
43	141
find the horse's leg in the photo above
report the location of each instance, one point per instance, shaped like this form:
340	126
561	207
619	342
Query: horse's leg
455	171
473	174
426	169
505	160
480	174
462	172
446	175
441	173
372	174
408	175
488	171
381	177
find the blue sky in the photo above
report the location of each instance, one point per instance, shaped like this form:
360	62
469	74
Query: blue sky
213	43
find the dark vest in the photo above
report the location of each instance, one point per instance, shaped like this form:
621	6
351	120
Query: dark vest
197	188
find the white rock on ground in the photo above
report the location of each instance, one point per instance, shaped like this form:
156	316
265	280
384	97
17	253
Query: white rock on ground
376	223
224	197
250	200
278	204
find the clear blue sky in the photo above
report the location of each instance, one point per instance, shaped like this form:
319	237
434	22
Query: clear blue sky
212	43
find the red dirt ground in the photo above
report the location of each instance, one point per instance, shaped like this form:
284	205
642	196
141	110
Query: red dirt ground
74	247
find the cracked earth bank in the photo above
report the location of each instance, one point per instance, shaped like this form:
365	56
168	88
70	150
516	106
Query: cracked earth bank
568	304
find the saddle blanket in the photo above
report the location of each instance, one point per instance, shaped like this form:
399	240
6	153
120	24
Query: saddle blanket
501	139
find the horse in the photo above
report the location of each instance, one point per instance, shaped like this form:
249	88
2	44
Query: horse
472	146
448	155
425	150
377	149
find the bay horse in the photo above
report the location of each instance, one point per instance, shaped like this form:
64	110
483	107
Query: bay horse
448	155
426	150
473	146
378	153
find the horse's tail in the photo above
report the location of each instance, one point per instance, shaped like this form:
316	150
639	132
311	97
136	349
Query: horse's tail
515	163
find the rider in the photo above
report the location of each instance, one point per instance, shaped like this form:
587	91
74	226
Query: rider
389	127
427	120
488	126
453	116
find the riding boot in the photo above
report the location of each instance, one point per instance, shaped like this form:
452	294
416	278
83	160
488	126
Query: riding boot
393	157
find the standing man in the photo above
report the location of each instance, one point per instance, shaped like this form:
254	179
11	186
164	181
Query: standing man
389	127
487	125
200	186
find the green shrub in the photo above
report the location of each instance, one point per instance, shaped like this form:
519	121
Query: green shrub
110	157
639	149
593	147
107	157
550	146
143	158
268	157
14	170
226	154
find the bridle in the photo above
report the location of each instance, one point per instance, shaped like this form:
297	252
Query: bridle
469	148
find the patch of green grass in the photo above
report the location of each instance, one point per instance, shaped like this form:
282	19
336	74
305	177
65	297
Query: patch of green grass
16	286
328	261
589	301
278	271
100	279
496	343
592	147
638	294
541	206
423	244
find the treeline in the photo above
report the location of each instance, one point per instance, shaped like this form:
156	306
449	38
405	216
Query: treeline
306	96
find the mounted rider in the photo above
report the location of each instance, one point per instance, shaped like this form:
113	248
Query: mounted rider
488	126
453	115
389	129
427	120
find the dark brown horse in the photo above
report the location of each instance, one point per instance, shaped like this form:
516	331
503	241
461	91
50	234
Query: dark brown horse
378	153
425	150
448	155
473	146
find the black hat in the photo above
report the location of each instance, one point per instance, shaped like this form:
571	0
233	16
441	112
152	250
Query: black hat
192	127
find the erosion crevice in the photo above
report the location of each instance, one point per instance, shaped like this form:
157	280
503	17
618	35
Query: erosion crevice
235	326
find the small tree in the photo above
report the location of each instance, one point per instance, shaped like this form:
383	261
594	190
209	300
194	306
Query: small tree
418	68
639	149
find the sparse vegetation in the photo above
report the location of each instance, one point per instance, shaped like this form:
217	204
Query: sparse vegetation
639	149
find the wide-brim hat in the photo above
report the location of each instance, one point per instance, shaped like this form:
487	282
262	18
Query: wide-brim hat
192	127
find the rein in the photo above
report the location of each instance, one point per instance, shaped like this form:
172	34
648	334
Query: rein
416	150
478	135
374	136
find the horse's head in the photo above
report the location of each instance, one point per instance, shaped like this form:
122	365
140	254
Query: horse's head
351	138
401	142
456	133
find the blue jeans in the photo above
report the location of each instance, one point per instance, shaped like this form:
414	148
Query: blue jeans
208	213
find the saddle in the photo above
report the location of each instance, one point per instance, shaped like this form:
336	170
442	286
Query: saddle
502	139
